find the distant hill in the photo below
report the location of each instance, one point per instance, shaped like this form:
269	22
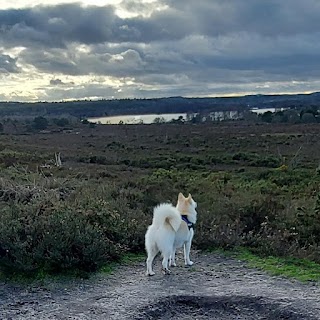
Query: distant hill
83	109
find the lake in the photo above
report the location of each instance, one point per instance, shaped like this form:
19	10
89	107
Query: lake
263	110
137	119
165	117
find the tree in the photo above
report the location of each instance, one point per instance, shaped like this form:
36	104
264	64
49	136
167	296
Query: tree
40	123
292	116
159	120
308	118
61	122
266	116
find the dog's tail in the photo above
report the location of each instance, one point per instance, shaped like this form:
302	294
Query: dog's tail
166	213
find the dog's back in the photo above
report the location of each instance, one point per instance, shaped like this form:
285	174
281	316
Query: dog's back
166	214
166	221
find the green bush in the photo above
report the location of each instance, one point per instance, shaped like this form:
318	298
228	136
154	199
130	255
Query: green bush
61	122
39	238
256	160
40	123
42	232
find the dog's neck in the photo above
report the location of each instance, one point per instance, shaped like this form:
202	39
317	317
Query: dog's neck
190	225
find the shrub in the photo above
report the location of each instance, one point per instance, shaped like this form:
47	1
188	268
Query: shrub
61	122
256	160
52	239
40	123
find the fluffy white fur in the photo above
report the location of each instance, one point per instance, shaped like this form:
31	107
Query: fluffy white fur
168	232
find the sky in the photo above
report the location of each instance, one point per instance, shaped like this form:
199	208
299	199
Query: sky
64	50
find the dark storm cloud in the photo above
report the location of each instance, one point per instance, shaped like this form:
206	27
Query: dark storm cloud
68	62
271	18
236	57
8	64
59	82
216	18
188	45
55	26
56	82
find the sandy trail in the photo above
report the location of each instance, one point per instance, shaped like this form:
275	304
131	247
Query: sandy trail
216	287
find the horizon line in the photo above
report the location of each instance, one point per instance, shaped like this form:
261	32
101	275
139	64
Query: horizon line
226	96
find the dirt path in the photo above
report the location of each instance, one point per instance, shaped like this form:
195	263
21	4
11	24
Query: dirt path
215	288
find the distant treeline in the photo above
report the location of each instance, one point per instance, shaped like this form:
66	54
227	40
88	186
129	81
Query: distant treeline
88	108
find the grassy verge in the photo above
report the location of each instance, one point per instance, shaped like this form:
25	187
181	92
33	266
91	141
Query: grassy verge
300	269
42	277
127	259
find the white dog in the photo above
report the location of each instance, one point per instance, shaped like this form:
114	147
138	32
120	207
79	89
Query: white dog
171	228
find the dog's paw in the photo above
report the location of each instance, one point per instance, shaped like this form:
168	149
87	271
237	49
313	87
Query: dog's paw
189	263
173	264
150	273
166	271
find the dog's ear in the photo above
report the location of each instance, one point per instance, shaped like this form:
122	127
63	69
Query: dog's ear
189	198
181	197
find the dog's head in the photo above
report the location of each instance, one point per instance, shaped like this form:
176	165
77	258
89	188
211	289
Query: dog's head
187	206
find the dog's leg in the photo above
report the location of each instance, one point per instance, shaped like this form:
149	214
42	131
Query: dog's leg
187	247
152	252
172	262
165	262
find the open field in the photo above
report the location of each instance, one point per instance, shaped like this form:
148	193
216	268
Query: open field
256	185
121	148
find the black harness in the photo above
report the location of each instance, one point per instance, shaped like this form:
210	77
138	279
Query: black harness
186	220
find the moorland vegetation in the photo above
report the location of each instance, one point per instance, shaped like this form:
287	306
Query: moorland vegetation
256	183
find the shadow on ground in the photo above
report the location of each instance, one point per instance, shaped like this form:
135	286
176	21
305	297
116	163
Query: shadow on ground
217	307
